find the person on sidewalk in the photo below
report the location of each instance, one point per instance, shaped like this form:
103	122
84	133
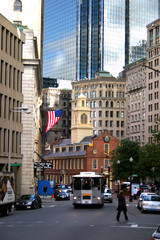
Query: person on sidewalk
135	191
45	190
121	206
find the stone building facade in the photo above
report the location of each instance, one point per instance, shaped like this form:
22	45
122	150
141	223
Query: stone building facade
135	101
152	79
55	99
11	97
106	97
28	16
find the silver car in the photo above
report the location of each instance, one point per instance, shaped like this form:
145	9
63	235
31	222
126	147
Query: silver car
142	195
108	195
156	234
151	203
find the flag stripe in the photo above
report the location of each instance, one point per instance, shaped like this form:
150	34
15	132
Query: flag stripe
52	118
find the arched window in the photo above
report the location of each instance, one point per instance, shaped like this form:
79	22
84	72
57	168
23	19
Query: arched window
82	103
18	5
100	103
111	104
83	118
107	104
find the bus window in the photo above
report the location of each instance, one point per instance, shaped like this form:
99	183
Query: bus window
86	184
77	184
96	183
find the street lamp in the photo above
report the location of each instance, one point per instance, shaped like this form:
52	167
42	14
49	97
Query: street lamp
109	176
130	160
16	109
118	162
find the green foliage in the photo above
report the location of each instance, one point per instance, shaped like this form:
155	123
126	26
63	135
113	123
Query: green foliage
146	160
124	152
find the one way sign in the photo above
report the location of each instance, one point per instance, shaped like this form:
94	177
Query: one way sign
42	165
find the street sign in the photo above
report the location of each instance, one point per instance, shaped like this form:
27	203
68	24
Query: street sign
42	165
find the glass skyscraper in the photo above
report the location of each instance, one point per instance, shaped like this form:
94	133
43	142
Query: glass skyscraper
85	36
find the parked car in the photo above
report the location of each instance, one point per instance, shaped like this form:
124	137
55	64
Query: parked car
156	234
139	201
61	194
144	188
70	189
61	186
150	203
108	195
28	201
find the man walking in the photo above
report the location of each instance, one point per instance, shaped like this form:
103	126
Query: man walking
121	206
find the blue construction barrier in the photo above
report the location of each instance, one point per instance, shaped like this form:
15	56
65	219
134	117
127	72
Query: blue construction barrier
49	184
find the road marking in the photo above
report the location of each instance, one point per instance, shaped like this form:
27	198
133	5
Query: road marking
134	225
52	206
91	225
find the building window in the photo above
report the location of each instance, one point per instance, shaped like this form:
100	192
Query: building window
94	164
106	162
83	118
18	5
106	148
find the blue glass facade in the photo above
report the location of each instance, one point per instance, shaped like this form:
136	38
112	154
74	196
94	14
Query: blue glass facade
84	36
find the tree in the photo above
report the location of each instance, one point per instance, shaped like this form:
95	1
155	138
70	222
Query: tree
123	153
149	161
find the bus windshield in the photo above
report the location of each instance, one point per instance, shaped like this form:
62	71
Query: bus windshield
86	184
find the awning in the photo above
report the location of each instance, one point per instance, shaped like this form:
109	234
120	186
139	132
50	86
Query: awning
16	164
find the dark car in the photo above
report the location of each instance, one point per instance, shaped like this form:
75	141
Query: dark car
28	201
70	189
61	194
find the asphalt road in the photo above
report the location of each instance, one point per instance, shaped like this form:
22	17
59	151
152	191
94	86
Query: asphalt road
59	220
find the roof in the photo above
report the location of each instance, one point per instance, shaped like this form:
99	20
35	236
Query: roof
65	154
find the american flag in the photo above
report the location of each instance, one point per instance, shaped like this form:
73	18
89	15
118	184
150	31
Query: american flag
52	118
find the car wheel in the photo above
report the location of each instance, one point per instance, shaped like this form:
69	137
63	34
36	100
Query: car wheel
34	205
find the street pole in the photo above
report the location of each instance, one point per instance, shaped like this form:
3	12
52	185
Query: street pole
130	160
118	162
9	150
109	176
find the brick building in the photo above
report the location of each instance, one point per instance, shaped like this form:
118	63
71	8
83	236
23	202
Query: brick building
92	154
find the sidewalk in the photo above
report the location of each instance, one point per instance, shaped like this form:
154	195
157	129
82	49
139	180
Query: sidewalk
126	197
47	199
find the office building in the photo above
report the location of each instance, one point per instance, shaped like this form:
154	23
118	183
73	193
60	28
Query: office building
11	97
85	36
152	79
136	101
105	95
28	17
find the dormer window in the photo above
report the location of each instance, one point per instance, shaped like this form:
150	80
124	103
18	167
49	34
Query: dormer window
18	6
70	149
57	149
63	149
78	148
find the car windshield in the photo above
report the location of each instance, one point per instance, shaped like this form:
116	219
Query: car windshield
152	198
26	197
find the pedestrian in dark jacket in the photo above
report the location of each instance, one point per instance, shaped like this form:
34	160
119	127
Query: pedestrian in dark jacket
121	206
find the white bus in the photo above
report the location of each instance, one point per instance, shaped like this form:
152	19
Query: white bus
88	189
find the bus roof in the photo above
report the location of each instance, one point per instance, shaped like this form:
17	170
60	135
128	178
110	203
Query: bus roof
87	174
